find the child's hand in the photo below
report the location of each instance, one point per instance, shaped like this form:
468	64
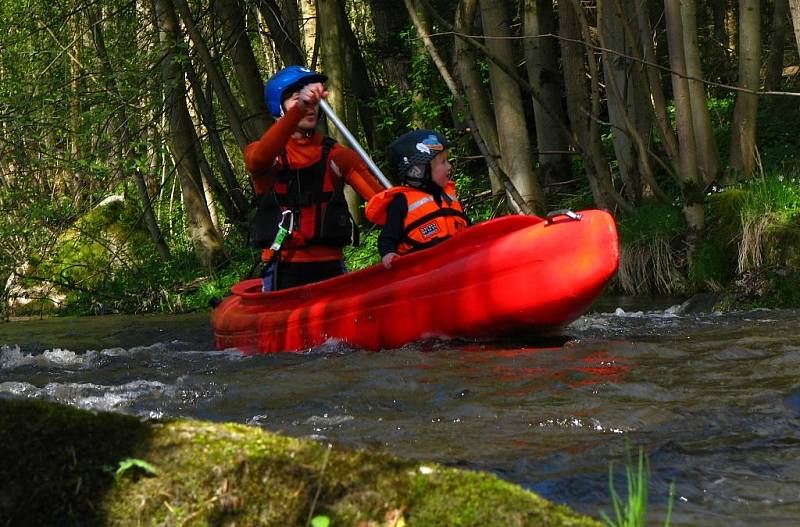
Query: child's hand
388	258
311	94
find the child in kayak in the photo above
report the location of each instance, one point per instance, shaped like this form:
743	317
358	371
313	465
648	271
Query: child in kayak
424	210
299	177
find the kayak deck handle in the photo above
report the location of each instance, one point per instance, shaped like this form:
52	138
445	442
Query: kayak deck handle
562	212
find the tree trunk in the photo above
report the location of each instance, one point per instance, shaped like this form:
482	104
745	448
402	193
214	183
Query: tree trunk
722	41
129	151
332	44
743	133
310	29
205	238
467	71
794	7
777	43
581	111
541	58
512	129
232	199
707	150
689	178
238	48
392	50
657	99
627	101
516	200
229	105
283	23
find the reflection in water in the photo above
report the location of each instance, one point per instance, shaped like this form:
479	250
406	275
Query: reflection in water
713	399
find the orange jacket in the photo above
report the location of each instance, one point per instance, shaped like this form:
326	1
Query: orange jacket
426	223
264	161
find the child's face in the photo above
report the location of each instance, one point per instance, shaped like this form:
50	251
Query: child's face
440	169
309	121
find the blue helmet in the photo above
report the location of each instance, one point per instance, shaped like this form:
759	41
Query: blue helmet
291	77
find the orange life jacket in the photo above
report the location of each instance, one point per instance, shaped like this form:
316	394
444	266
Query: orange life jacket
317	200
426	223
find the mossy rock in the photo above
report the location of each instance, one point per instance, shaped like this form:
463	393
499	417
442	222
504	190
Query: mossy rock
63	462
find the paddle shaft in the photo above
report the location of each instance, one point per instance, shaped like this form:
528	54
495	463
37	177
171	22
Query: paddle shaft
353	143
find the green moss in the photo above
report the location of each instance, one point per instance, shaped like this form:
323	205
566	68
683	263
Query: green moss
225	474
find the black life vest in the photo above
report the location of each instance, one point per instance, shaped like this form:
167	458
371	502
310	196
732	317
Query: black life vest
315	197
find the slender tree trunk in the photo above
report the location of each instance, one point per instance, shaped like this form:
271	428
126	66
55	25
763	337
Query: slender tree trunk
283	23
777	43
129	152
583	107
794	7
238	48
627	102
514	196
689	178
541	58
392	50
468	72
512	129
232	199
743	133
332	45
708	154
310	32
657	99
229	105
205	238
722	42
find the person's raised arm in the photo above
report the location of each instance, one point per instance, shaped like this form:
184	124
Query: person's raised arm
260	154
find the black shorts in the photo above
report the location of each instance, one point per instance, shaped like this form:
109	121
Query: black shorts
290	274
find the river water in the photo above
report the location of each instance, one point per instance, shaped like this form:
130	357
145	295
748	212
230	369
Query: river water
713	399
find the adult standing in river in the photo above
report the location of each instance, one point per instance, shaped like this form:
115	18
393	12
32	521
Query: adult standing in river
299	177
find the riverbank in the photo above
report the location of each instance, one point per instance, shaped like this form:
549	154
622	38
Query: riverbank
73	467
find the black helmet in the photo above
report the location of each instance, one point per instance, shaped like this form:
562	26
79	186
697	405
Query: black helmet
410	155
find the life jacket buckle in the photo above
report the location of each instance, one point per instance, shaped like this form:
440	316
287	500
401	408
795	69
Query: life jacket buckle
283	231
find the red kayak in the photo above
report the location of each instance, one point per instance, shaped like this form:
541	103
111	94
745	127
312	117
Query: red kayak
514	274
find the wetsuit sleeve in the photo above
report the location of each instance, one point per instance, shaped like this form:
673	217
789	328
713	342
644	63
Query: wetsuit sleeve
259	156
355	172
392	232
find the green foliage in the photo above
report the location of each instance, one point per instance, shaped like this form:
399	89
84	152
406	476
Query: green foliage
320	521
778	193
632	512
713	265
135	465
651	221
366	253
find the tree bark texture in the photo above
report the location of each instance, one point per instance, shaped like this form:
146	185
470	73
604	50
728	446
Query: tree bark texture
229	105
283	24
688	176
237	47
206	240
541	59
512	129
794	7
777	44
517	201
707	151
743	132
627	101
468	73
389	22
